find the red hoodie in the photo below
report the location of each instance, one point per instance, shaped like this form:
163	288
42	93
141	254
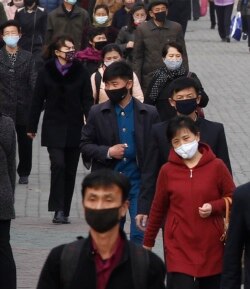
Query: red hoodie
192	244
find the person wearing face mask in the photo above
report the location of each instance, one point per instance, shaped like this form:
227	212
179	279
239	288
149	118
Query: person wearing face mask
189	202
126	37
116	133
33	21
105	259
50	5
69	19
157	94
64	85
101	18
17	82
150	37
111	53
92	55
121	16
184	97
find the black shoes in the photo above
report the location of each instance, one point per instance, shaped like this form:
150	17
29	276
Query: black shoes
59	218
226	39
212	26
24	180
244	36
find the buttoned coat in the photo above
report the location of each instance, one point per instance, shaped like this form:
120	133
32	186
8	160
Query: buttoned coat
67	99
101	132
74	24
147	52
17	85
7	167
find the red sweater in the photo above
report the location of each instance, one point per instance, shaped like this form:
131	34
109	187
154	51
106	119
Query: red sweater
192	244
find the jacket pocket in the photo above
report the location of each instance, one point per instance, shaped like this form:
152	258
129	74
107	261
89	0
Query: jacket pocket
172	227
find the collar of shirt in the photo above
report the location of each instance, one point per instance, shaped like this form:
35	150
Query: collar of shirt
153	26
104	268
128	109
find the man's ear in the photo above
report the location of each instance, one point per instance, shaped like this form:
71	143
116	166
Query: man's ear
151	14
124	209
172	102
130	84
198	100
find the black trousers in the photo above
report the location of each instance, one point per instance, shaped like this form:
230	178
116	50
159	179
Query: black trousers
7	263
224	14
183	281
196	9
212	13
64	162
24	151
246	26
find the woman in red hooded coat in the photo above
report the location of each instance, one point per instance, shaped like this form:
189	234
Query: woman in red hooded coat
189	194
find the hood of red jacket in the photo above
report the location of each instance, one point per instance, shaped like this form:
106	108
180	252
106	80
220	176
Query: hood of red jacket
204	149
89	54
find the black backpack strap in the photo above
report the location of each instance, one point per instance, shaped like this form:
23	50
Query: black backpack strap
69	260
139	265
98	79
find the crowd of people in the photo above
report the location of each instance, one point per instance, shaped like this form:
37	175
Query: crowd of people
113	84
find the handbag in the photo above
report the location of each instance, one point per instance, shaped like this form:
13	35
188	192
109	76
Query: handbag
203	7
236	27
228	202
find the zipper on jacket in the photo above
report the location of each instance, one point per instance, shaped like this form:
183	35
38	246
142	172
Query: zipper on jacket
191	173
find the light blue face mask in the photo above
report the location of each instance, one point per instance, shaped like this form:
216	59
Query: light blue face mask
173	64
72	2
101	19
11	41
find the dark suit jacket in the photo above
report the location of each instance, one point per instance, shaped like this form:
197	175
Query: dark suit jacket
101	132
238	240
211	133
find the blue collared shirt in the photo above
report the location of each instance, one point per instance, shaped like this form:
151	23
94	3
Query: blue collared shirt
128	165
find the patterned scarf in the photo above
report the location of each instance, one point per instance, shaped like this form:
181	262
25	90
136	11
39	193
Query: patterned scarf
161	78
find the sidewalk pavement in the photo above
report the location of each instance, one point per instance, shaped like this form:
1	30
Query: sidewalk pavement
223	69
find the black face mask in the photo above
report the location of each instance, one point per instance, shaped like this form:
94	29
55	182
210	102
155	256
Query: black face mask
160	16
116	95
99	45
186	106
29	3
102	220
70	56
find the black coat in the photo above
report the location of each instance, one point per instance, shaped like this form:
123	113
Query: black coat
67	100
238	241
17	85
85	276
211	133
101	132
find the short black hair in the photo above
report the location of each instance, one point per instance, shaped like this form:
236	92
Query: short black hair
101	6
119	69
10	23
154	3
111	47
93	32
179	122
182	83
105	179
171	44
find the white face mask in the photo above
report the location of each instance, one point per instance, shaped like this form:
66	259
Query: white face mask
101	19
188	150
107	63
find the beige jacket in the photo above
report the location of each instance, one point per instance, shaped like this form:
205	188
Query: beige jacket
136	90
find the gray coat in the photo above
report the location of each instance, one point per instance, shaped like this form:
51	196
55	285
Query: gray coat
7	167
147	52
244	9
17	85
73	24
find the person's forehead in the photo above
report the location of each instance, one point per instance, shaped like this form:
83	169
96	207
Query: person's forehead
188	90
10	29
102	191
159	6
182	132
101	10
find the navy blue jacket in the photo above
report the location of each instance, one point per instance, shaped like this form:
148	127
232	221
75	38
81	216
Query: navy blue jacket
50	4
120	18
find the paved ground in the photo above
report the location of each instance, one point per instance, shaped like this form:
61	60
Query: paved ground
223	69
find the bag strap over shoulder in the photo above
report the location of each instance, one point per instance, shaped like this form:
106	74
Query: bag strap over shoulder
69	260
98	79
228	203
140	265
